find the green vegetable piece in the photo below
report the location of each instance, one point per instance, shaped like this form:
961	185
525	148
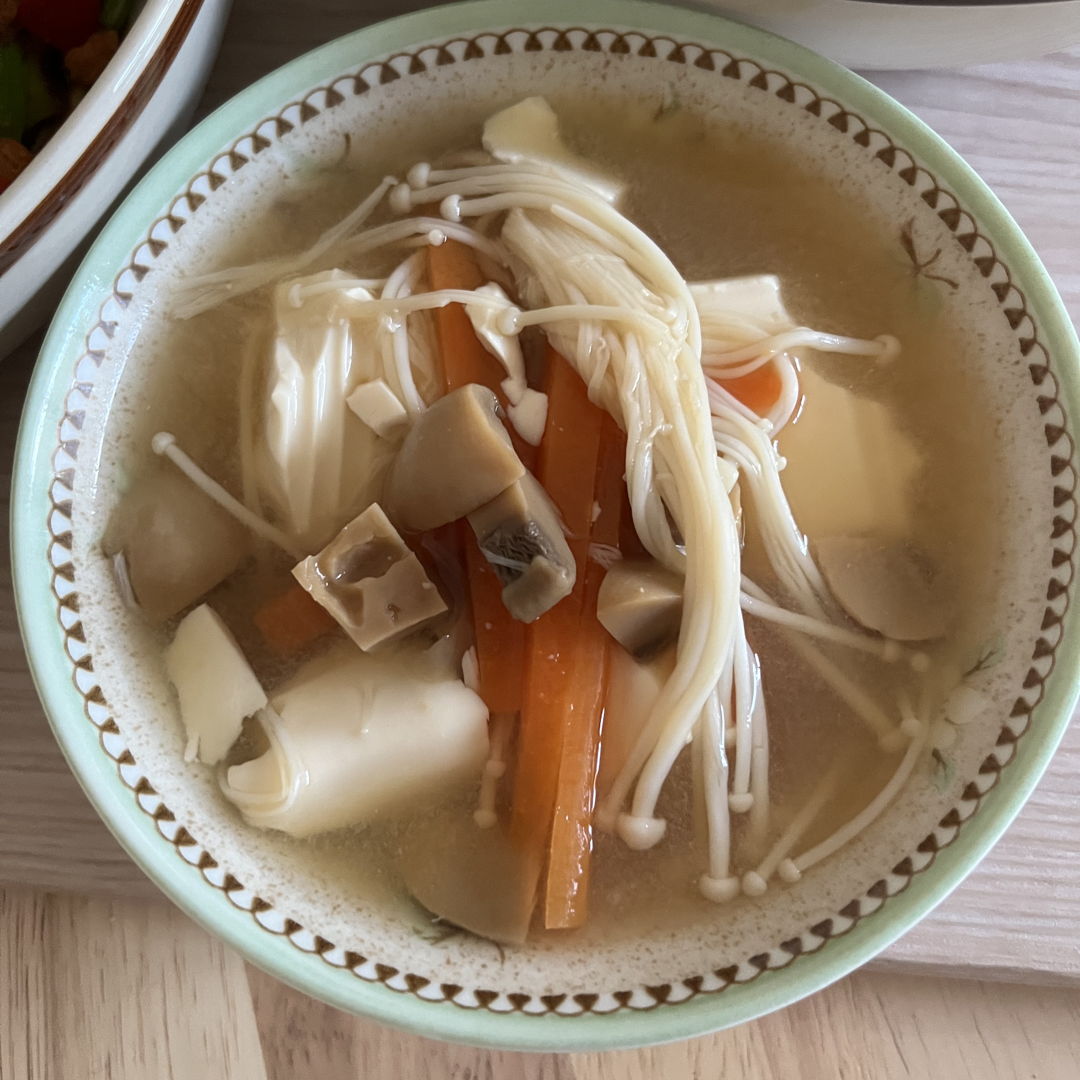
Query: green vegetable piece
116	14
12	92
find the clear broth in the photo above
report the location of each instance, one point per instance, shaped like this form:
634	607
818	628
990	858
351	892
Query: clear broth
721	202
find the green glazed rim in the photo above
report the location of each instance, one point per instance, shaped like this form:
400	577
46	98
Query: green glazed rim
137	831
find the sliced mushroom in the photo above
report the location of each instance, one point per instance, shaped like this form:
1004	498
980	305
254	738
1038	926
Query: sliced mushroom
884	586
175	543
521	536
473	878
456	457
370	581
640	605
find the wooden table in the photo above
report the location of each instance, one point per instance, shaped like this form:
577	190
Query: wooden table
100	977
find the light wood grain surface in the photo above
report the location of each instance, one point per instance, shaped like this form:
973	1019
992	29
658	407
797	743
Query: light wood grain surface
98	978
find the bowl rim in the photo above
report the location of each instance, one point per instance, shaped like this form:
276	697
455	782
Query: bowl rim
118	96
78	739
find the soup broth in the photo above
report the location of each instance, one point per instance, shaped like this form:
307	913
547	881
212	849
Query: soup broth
722	203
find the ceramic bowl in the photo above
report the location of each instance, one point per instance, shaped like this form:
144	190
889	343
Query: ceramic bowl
139	104
380	957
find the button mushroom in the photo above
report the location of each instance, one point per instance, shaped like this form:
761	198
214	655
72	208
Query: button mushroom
640	605
883	586
370	581
456	457
521	536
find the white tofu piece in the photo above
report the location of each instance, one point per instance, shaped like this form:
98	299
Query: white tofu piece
529	131
214	681
850	469
378	406
755	299
353	739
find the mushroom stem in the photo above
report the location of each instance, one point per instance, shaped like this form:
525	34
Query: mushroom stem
755	882
868	815
499	729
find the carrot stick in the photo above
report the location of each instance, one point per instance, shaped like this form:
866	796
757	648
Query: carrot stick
759	391
292	620
567	464
570	848
500	638
452	265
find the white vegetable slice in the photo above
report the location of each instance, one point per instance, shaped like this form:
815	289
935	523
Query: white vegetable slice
529	131
378	406
752	301
353	738
850	469
215	684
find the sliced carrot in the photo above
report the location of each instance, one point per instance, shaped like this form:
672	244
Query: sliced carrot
452	265
759	391
570	847
291	621
567	464
500	638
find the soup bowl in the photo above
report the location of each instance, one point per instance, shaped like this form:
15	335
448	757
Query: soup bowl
110	705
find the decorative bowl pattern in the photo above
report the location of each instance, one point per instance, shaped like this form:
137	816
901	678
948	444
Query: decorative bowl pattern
203	876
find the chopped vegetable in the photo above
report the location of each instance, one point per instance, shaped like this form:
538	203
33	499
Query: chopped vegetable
60	23
176	542
850	468
498	636
14	157
379	407
555	690
465	359
640	605
570	852
473	878
759	390
215	684
12	91
292	620
529	131
353	738
633	687
521	536
884	586
370	582
456	457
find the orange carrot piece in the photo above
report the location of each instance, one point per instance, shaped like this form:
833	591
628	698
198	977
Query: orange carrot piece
291	621
570	848
567	469
464	359
759	391
452	265
500	638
